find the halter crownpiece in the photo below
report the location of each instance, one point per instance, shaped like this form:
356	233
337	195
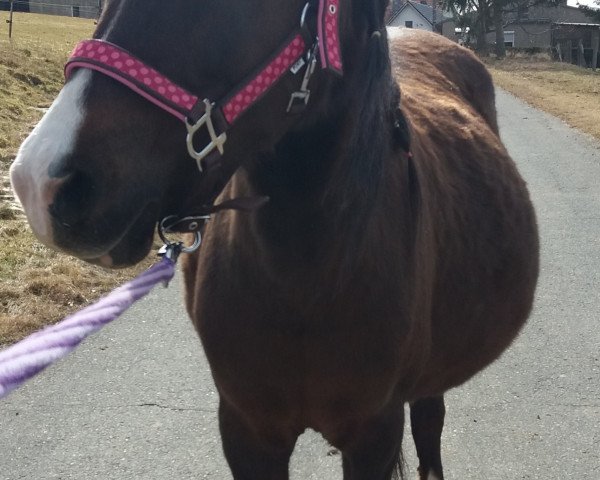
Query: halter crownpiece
217	117
329	35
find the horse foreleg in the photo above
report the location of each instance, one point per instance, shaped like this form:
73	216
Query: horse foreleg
252	455
375	454
427	422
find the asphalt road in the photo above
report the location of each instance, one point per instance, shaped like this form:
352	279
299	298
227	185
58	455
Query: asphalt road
137	401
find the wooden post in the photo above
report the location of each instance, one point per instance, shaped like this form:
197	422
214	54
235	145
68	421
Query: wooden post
580	54
560	59
595	46
10	18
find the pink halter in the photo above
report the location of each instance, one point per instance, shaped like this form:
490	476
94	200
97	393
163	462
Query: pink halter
195	111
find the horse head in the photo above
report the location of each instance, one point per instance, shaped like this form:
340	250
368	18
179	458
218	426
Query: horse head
104	164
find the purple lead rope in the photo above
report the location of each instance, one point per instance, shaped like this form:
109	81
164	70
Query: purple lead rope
25	359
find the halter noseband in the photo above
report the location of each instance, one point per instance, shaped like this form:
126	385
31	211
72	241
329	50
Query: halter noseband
218	116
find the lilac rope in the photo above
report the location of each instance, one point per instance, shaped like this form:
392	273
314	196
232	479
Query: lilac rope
25	359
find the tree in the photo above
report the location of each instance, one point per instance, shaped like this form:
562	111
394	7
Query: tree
592	12
475	15
479	16
498	10
482	15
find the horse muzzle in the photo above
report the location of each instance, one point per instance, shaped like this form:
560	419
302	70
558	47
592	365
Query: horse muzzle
65	215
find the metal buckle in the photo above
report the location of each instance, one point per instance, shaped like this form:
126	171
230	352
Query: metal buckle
216	141
299	99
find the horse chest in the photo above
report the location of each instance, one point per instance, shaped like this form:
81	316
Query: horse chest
304	358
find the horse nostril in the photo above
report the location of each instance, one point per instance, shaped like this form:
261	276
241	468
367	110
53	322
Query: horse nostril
72	199
51	188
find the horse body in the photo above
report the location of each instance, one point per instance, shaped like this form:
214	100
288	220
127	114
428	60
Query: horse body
301	333
396	258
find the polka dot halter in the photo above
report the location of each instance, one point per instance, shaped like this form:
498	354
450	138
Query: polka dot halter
329	48
120	65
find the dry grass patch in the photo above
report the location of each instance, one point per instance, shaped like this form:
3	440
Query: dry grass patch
31	71
37	286
566	91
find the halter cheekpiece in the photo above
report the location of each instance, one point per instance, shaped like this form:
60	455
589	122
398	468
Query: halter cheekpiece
197	112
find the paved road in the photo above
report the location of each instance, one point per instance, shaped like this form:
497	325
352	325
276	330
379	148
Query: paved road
137	401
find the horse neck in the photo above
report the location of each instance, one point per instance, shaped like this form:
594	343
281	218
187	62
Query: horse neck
326	181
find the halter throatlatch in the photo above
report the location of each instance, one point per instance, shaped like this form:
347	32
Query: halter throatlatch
216	117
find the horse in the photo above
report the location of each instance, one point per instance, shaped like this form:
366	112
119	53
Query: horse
370	243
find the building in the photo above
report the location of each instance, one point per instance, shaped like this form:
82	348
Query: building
421	15
532	27
566	31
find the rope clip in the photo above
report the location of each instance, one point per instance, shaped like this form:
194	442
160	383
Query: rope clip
172	250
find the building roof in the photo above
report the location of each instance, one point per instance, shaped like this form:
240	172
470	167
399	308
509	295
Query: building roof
426	11
572	24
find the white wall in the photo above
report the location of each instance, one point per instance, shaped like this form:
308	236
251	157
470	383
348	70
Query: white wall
411	14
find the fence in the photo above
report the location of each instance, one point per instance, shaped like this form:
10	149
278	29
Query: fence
68	8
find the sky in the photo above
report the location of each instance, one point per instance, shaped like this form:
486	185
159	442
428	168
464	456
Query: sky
574	3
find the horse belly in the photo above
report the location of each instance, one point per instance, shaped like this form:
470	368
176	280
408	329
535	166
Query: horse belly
487	257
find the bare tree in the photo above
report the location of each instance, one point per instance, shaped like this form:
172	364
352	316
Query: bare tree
485	16
592	12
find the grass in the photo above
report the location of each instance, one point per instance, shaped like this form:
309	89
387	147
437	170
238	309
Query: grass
566	91
37	285
31	70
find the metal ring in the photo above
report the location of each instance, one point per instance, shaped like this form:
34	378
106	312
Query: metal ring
161	229
184	249
194	246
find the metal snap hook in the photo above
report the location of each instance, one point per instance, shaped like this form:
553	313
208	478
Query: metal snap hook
172	250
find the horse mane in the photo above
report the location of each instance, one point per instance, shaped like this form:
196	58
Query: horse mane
371	102
330	170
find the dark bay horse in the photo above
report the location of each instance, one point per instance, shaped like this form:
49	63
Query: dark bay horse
397	255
